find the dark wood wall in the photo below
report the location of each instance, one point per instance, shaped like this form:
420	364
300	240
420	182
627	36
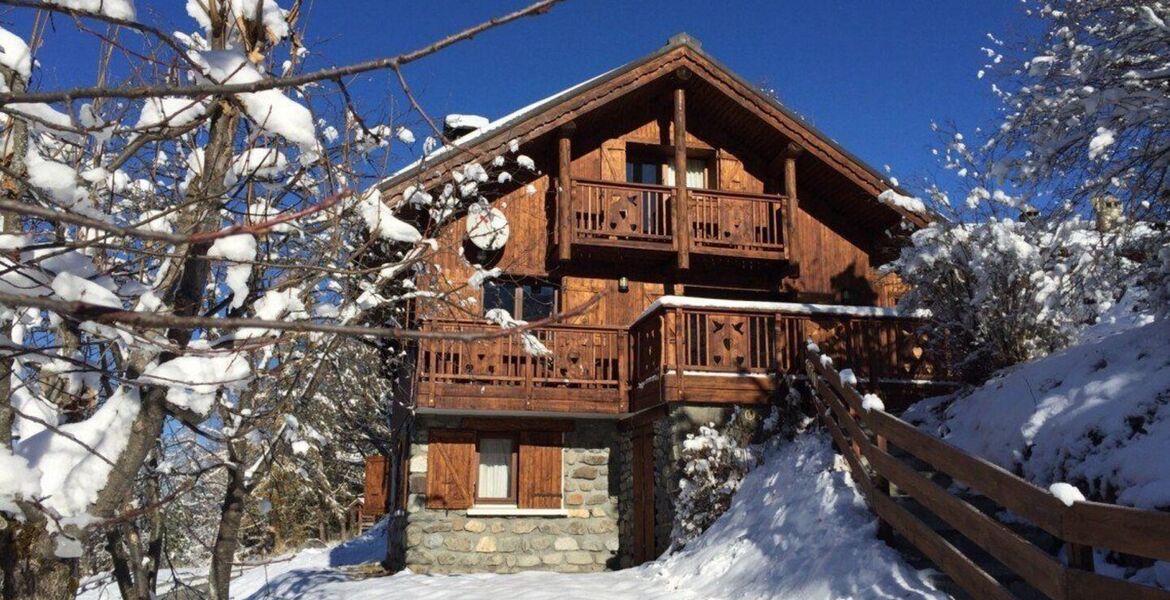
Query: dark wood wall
834	251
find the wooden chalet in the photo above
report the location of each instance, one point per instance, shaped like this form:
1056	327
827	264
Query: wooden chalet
709	231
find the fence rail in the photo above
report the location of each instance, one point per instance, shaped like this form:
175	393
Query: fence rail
864	437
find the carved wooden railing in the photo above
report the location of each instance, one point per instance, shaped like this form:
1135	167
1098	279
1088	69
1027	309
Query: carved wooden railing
875	444
684	338
627	214
585	368
737	224
640	215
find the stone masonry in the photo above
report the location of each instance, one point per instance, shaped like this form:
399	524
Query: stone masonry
582	537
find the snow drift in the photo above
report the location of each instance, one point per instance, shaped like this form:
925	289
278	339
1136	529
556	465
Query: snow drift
797	529
1096	415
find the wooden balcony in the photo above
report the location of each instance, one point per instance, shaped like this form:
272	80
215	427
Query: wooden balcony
688	349
584	371
681	349
641	216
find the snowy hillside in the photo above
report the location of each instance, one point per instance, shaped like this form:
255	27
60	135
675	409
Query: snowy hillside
797	529
1096	415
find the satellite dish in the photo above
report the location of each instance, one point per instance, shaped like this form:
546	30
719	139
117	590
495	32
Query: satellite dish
487	228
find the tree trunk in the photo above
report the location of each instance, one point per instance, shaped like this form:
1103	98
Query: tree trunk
223	553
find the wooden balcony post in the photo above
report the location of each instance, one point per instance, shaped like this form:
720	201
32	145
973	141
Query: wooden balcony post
565	193
682	220
791	153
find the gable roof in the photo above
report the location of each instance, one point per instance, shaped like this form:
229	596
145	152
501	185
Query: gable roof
681	51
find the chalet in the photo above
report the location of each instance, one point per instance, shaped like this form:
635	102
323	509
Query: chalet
706	230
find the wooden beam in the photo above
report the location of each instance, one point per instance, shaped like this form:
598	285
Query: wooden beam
682	220
792	244
565	193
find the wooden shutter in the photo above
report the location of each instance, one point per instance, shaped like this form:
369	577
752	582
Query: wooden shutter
730	176
540	469
451	469
613	160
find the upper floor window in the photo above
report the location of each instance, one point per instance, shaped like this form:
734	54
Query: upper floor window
652	168
524	299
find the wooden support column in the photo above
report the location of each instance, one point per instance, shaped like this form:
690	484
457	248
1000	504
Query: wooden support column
792	245
682	219
565	193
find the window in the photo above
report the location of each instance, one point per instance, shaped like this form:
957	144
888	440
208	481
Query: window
496	483
495	466
641	170
527	300
696	173
646	167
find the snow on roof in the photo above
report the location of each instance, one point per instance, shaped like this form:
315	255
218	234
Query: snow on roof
485	128
791	308
456	121
902	201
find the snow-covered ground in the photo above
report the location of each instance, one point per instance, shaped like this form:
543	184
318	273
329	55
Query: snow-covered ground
1096	415
797	529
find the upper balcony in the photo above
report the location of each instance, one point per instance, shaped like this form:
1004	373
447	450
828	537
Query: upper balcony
644	216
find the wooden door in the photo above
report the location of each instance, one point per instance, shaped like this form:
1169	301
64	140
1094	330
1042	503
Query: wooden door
644	546
377	486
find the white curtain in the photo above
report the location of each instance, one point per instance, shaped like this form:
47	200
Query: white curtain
495	460
696	173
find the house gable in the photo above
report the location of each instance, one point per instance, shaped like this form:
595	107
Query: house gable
762	118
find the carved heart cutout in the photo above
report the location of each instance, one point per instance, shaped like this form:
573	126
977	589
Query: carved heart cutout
917	352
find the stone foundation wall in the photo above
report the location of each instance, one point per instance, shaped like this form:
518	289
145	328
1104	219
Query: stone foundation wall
584	537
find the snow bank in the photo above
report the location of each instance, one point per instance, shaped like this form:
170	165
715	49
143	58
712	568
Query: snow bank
1096	415
797	529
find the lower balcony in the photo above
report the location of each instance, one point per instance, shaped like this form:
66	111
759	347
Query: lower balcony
720	351
583	371
682	349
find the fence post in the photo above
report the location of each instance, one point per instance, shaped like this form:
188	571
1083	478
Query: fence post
882	485
1080	557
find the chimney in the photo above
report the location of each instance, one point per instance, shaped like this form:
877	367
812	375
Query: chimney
1108	211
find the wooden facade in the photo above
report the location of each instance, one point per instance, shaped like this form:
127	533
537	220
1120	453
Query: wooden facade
709	232
666	179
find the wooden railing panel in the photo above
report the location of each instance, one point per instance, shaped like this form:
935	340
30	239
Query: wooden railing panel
1083	525
642	215
728	341
739	224
585	364
621	213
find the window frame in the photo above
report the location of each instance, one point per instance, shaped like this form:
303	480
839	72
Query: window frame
661	158
513	497
518	284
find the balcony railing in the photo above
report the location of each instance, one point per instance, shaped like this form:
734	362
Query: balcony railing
702	350
682	349
735	223
635	215
625	214
584	370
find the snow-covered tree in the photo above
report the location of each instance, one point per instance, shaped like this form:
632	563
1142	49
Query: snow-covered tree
713	464
1063	199
185	245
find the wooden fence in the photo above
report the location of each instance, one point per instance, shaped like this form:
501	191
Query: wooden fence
865	438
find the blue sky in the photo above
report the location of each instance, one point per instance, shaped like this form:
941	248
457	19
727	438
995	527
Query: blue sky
872	75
